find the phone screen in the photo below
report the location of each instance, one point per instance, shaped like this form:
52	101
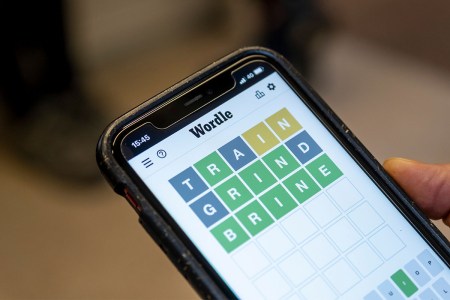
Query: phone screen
278	207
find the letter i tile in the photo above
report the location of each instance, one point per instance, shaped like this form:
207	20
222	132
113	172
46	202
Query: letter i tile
278	201
260	138
257	177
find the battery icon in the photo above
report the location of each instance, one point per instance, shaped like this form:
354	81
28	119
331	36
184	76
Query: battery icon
258	70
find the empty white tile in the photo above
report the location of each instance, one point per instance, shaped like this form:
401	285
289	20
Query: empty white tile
272	285
299	226
250	259
322	210
296	268
320	251
364	259
386	242
365	218
342	276
318	289
275	243
344	194
343	234
293	297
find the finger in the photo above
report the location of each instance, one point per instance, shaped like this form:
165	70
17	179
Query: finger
428	185
446	220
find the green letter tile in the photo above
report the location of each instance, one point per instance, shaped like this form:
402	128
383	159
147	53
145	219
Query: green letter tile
257	177
230	234
324	170
281	162
301	186
233	192
254	218
213	168
278	201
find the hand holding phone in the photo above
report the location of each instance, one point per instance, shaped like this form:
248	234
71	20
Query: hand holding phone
427	184
254	188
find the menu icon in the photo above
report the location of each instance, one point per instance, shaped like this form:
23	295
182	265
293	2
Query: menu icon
147	162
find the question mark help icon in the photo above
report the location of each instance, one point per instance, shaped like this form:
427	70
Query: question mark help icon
161	153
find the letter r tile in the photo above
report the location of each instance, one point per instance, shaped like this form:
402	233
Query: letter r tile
254	217
233	193
188	184
213	168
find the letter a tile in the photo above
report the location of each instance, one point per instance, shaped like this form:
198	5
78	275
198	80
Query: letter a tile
254	217
237	153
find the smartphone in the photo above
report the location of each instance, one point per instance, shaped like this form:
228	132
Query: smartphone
255	189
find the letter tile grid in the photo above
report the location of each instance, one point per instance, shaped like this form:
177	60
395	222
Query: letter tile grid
279	205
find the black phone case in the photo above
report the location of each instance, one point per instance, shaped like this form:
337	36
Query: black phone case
197	273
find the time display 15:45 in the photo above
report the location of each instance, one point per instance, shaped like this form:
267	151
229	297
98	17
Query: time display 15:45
138	142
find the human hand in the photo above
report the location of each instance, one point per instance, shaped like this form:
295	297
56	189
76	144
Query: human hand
427	184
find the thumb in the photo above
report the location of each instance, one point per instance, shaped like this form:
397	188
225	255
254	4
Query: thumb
427	184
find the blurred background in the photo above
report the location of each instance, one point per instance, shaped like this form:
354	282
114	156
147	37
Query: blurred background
70	68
